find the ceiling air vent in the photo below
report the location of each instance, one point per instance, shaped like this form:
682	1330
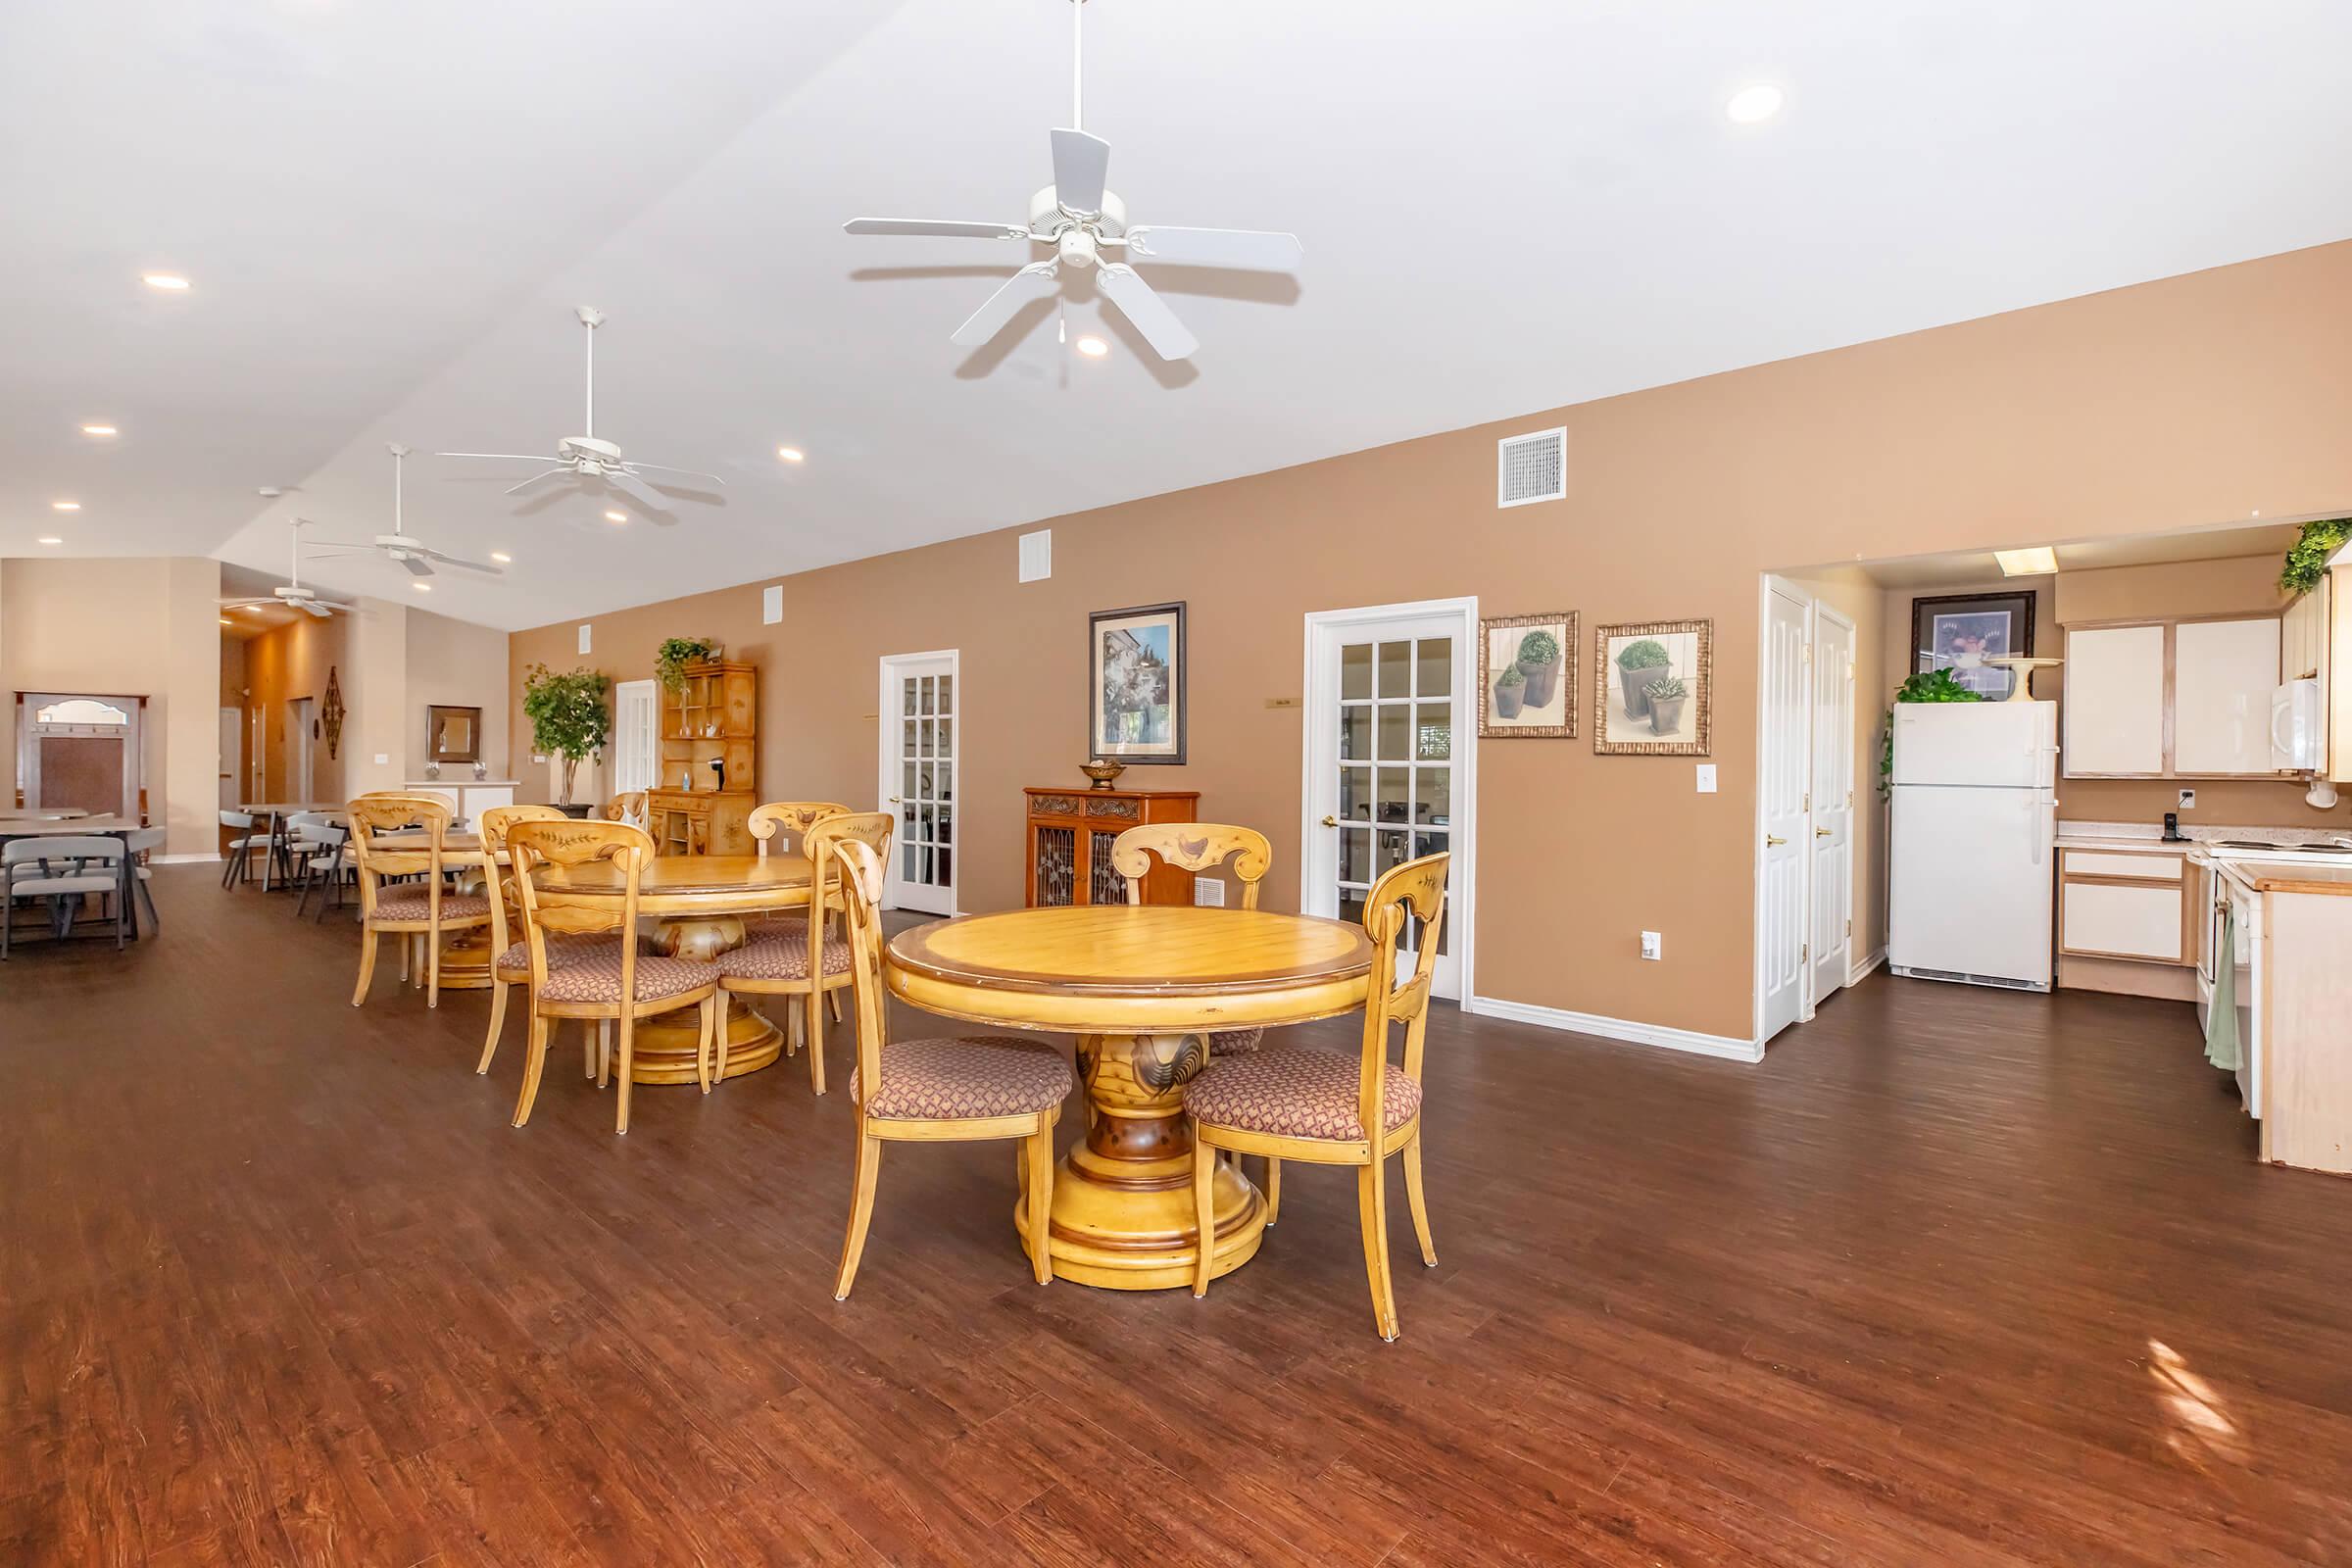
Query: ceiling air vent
1531	467
1037	555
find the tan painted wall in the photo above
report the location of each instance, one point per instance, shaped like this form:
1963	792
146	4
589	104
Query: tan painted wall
284	665
133	627
2178	404
460	664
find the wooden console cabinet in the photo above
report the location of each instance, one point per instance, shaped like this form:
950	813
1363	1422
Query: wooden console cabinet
714	717
1070	835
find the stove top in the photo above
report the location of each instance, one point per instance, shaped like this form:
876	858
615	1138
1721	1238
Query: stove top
2246	848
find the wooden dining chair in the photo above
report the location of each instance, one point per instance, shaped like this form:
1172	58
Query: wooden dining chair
599	979
782	828
513	964
1315	1106
627	806
418	912
807	958
936	1089
1199	847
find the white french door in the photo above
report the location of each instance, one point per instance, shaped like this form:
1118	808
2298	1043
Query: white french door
919	744
636	736
1784	824
1831	801
1390	769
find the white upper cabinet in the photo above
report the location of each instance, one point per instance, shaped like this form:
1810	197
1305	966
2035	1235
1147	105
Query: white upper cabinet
2171	699
2114	701
2223	672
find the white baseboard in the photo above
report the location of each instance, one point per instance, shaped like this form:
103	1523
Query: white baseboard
183	860
1593	1023
1870	961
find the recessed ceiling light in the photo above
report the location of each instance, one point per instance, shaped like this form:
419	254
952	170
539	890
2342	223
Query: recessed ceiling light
1094	347
97	429
2039	561
792	453
1753	104
225	621
616	516
51	539
501	556
423	587
169	282
64	506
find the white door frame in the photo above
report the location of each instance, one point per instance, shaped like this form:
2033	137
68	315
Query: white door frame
1461	893
1766	586
885	715
1823	610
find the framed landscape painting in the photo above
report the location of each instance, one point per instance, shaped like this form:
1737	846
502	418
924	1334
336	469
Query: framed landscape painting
1963	632
1526	675
1135	660
1653	689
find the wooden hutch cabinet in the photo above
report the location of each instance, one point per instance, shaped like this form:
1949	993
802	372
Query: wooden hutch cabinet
695	808
1070	835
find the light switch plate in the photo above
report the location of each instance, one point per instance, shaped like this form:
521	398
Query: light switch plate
1707	779
771	604
1653	945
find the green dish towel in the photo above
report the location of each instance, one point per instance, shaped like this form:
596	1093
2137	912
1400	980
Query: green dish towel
2221	1021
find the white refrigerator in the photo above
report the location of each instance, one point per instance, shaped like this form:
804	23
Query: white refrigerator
1974	847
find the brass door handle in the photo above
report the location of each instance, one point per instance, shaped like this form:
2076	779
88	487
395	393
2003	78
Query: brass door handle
894	800
1773	841
1331	821
1823	833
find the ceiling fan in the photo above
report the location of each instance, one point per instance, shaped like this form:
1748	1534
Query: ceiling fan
293	595
588	456
413	554
1082	220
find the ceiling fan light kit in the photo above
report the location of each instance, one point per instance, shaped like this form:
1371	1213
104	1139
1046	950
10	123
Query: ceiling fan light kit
1082	218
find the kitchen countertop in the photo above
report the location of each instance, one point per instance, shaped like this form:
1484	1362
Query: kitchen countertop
2139	835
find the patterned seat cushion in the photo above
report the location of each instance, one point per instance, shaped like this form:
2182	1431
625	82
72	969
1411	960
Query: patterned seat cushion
595	977
776	925
1234	1041
960	1080
561	949
1297	1093
409	902
782	958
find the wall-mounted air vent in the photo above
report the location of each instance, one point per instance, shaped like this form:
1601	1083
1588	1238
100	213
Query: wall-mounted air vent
1037	555
1531	467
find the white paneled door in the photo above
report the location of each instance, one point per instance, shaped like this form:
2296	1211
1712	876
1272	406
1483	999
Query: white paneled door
1782	818
1833	800
1388	723
919	741
636	736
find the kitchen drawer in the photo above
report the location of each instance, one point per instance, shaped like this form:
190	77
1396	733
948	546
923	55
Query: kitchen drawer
2116	862
2115	920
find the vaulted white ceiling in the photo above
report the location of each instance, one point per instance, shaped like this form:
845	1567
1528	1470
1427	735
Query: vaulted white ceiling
387	213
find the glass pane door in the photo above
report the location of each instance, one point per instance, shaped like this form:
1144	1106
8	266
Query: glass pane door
920	735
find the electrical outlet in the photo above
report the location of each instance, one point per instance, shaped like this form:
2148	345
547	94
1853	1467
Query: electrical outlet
1653	946
1707	779
1208	892
2189	800
383	759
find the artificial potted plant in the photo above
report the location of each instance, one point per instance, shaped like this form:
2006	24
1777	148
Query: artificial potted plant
1666	699
674	654
1538	660
1640	663
1510	690
2307	558
569	718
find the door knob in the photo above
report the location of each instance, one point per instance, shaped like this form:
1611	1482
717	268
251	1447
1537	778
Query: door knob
1823	833
1331	821
894	800
1773	840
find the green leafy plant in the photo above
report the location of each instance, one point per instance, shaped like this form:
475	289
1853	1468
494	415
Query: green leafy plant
1539	648
2307	557
1672	686
567	715
1643	653
673	656
1513	676
1930	686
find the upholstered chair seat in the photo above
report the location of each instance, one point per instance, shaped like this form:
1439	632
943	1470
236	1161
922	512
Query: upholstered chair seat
410	900
516	962
1234	1041
595	976
1297	1093
781	957
968	1079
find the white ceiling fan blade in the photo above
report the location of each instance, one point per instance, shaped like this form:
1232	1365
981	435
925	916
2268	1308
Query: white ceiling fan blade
319	607
942	226
643	494
636	470
250	604
1125	288
1081	164
502	456
467	565
1216	246
1032	282
535	478
418	566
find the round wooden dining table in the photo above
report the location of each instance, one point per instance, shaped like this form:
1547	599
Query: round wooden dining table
699	902
1142	986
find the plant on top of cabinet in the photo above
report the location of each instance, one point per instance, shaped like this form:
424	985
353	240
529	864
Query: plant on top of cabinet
2307	558
1928	686
567	715
674	654
1510	690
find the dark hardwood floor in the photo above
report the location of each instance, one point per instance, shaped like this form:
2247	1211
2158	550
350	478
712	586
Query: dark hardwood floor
1954	1277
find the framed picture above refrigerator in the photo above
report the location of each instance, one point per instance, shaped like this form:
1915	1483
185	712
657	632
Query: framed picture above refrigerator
1962	632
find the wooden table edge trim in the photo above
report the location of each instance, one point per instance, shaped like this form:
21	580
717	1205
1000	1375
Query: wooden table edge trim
1132	1013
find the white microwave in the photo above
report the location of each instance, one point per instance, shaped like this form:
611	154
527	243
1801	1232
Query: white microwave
2298	727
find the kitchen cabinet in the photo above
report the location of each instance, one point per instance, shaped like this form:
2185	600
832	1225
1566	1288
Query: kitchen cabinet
2171	699
2140	905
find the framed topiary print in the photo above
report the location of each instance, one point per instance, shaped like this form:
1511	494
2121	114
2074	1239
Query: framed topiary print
1653	689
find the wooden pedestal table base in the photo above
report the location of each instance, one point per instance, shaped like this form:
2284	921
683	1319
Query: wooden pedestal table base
699	902
1141	986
